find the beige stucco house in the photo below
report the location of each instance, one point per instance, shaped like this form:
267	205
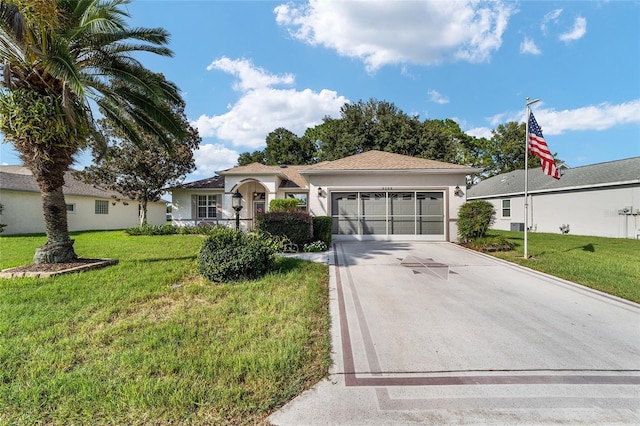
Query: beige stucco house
89	207
599	199
370	196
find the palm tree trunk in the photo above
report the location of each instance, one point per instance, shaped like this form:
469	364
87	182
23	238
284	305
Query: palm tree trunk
59	247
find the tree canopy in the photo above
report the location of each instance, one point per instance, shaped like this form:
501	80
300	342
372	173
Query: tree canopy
59	59
380	125
144	170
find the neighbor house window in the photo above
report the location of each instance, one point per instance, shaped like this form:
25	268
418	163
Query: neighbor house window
506	208
71	208
302	200
102	207
207	206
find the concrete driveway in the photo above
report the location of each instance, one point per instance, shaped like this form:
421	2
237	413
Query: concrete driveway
431	333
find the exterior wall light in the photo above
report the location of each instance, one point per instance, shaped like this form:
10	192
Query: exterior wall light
319	191
458	192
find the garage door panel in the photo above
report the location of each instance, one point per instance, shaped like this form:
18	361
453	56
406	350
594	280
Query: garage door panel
388	213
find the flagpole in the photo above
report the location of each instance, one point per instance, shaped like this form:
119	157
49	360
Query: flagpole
526	177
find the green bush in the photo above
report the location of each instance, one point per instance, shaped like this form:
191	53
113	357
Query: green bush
322	226
283	205
230	255
491	244
474	219
315	247
147	229
296	226
202	229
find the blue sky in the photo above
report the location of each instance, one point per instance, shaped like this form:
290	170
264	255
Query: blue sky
248	67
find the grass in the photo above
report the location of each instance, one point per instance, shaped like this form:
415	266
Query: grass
611	265
148	341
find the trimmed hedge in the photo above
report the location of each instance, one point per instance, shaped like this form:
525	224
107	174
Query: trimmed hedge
230	255
296	226
280	205
322	226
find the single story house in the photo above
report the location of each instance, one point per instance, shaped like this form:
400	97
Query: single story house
370	196
89	207
600	199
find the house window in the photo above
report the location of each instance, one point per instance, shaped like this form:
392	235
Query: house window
206	206
102	207
71	208
506	208
302	200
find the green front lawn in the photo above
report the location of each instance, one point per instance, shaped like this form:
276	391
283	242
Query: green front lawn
148	341
611	265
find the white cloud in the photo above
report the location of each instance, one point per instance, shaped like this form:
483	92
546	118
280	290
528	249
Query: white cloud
480	132
213	157
529	46
437	97
577	32
262	108
593	117
549	17
388	32
249	76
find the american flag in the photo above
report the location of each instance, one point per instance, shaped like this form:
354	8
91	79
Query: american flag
538	146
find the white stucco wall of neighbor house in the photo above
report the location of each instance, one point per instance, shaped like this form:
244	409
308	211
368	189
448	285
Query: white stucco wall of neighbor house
23	213
587	212
319	205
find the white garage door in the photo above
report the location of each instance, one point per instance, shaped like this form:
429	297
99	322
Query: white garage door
382	215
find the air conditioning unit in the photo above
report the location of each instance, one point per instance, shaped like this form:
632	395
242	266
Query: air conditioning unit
625	210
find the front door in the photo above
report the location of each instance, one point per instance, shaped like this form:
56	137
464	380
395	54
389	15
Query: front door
259	205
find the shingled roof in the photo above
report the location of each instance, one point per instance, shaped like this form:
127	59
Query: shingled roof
215	182
384	161
20	178
612	173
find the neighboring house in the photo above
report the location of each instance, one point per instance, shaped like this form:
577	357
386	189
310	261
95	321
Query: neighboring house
601	199
370	196
89	207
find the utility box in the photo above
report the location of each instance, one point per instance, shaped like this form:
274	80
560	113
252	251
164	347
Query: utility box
517	226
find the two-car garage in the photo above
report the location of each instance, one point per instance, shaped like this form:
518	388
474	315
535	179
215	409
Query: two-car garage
388	214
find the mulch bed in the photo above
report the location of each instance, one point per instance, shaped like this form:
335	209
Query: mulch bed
43	270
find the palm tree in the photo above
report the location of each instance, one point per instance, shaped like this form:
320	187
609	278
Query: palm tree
60	59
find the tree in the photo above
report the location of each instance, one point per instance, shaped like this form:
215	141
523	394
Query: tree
505	150
248	158
142	171
284	147
59	59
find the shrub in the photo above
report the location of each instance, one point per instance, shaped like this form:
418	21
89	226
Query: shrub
201	229
492	244
474	219
296	226
315	246
230	255
147	229
322	226
283	205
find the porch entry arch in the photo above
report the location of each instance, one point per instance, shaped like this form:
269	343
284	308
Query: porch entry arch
255	198
389	214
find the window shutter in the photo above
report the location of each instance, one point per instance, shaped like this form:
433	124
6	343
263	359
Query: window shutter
194	206
218	206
